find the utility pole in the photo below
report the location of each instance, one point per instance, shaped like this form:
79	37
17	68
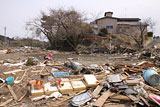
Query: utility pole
5	38
5	29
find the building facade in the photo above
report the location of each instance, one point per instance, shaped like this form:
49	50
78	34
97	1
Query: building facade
119	25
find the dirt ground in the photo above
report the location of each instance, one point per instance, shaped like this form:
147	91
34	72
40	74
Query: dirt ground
85	59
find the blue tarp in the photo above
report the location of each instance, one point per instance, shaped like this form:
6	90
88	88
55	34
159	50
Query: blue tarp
60	74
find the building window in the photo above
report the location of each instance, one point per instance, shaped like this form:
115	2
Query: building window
109	27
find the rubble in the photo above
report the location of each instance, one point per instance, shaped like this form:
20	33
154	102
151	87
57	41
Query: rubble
35	82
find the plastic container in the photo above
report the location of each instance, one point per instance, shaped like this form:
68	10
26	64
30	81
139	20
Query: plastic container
10	80
151	77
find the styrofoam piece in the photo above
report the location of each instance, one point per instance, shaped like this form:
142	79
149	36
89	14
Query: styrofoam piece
36	92
91	80
49	89
65	86
78	85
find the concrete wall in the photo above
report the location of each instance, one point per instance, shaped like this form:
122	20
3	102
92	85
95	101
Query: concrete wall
123	27
103	23
129	23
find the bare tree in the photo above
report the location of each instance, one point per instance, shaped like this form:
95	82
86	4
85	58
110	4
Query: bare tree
138	32
151	24
61	25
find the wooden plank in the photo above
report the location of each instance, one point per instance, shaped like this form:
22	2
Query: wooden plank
133	82
38	98
147	87
36	71
145	101
133	98
42	70
26	70
97	91
6	102
12	92
102	99
1	96
22	97
14	71
117	105
4	84
120	97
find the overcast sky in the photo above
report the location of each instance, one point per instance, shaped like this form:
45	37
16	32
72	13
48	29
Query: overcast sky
15	13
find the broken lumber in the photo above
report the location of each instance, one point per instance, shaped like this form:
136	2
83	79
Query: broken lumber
42	70
22	97
12	92
102	99
4	84
147	87
133	98
18	81
97	91
6	102
1	96
38	98
133	82
117	105
145	101
120	97
14	71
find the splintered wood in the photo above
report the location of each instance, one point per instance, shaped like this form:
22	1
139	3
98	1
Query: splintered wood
102	99
12	92
6	102
14	71
97	91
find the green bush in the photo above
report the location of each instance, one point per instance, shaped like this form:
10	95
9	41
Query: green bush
30	62
103	32
150	34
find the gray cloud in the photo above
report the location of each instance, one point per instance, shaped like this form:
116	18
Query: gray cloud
14	13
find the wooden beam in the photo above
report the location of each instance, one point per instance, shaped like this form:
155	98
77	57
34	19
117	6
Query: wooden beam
14	71
12	92
22	97
6	102
97	91
102	99
145	101
1	96
38	98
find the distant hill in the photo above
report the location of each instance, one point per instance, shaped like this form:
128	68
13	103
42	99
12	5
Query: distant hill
11	42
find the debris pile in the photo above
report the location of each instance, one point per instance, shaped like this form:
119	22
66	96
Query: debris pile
49	83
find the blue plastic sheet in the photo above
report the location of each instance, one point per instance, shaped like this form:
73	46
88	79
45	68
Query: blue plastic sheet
60	74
